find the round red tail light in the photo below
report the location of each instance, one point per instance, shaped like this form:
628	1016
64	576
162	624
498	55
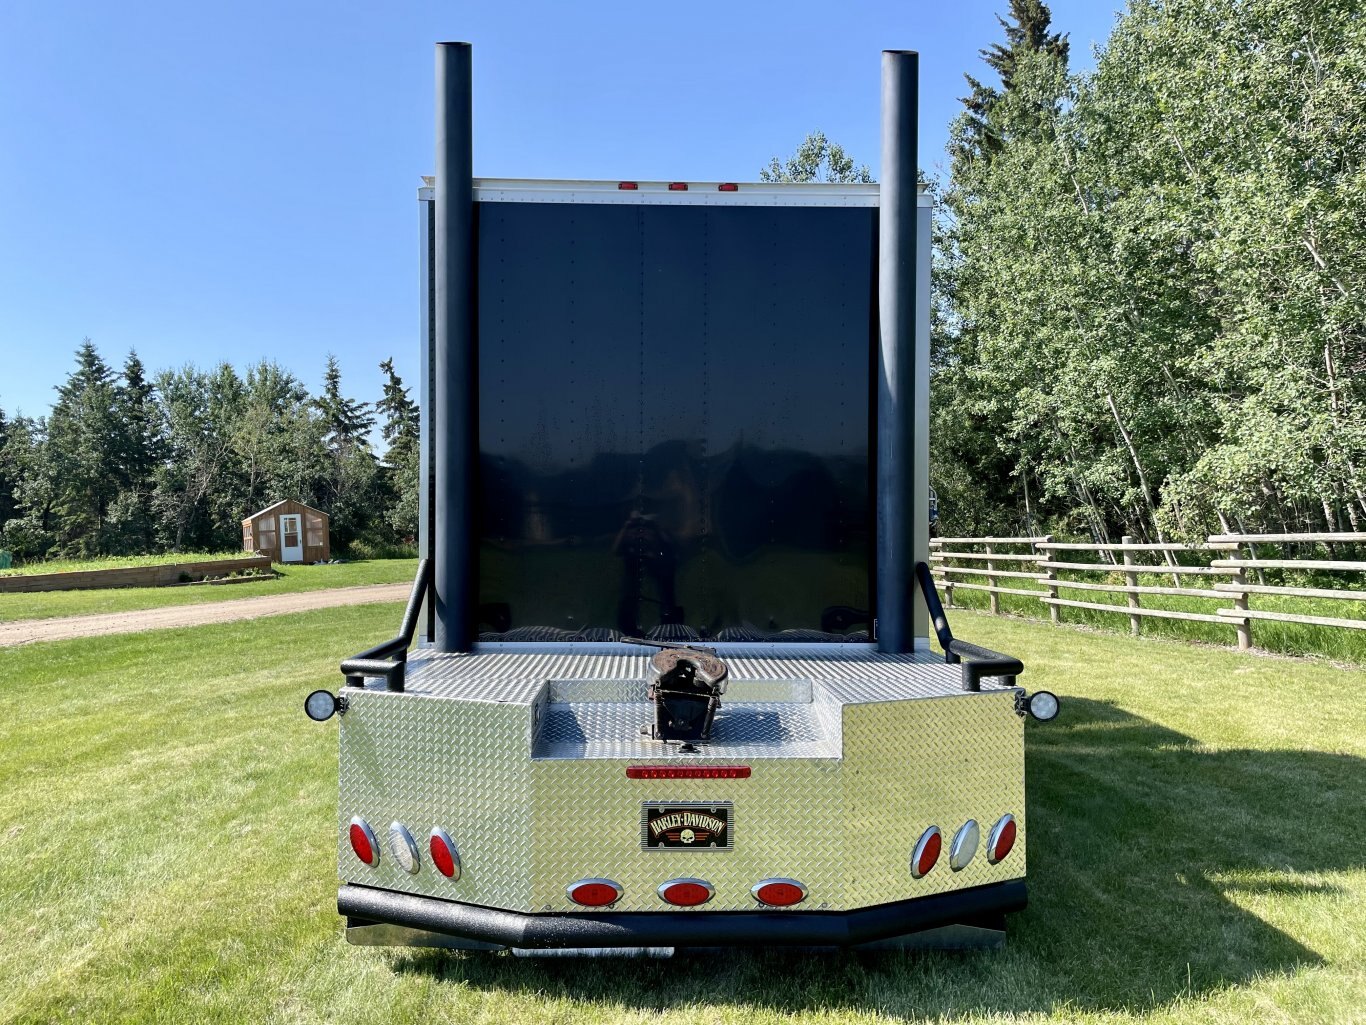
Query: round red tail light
779	893
594	893
1002	839
444	854
926	852
686	893
363	841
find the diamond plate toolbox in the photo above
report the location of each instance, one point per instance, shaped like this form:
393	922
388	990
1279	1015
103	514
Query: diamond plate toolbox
522	759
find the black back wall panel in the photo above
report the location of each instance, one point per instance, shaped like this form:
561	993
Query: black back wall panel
674	420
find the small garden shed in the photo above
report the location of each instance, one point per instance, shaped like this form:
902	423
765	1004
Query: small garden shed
288	531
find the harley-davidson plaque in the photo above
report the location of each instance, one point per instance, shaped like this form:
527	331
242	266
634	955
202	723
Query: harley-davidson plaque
697	827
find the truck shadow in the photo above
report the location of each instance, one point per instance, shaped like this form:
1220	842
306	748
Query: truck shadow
1147	855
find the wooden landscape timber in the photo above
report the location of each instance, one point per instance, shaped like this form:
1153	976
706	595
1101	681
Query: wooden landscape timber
133	576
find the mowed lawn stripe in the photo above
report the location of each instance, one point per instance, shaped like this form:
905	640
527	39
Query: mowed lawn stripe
168	831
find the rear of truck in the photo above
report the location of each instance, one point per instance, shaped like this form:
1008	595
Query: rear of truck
692	417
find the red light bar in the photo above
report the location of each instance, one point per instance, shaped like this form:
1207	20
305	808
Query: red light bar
678	186
627	186
687	772
727	187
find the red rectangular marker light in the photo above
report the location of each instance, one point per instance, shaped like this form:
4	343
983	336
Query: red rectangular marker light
687	772
627	186
678	186
727	187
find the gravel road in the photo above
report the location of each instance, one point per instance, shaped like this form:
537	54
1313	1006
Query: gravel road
29	630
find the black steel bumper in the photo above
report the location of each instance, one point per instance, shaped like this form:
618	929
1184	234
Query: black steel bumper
364	904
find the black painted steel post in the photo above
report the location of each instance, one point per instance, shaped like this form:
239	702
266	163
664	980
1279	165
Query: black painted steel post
897	202
454	435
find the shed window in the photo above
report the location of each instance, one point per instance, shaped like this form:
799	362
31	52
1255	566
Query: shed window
314	524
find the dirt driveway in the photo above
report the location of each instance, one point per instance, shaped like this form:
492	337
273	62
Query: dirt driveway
29	630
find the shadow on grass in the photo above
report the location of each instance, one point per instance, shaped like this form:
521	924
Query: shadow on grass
1143	847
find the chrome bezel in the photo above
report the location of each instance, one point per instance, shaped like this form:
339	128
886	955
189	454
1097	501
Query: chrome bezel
754	890
332	709
919	849
441	836
356	820
995	837
965	844
616	887
400	840
711	891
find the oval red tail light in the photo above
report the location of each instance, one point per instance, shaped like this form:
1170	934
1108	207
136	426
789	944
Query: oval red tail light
686	893
779	893
926	851
363	841
1002	839
594	893
445	856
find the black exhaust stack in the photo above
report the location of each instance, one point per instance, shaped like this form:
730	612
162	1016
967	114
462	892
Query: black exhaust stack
456	380
898	530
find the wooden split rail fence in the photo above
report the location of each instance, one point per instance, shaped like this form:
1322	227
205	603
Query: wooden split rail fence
1042	561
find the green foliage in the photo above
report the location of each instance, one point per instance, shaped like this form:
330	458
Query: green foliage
1157	279
127	465
817	160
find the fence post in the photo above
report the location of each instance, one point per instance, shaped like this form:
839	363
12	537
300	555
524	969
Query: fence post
991	581
1050	575
1131	580
1243	626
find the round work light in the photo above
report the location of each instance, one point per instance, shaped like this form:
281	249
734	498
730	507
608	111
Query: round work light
404	848
320	706
964	846
1043	705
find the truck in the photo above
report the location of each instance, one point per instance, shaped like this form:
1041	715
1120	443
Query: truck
665	682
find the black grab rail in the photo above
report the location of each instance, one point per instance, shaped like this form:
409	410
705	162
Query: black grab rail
390	659
976	661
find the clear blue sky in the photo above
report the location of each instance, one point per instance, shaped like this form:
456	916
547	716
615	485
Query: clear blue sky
210	182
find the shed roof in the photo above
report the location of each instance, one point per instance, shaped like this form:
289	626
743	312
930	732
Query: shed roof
283	501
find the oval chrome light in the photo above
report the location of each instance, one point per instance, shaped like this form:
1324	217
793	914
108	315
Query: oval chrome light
779	893
686	893
964	846
404	848
926	852
445	855
363	841
594	893
1002	839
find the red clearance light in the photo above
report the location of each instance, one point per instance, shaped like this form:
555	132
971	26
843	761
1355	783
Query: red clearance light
678	186
594	893
1002	839
687	772
779	893
363	841
686	893
926	852
627	186
727	187
445	856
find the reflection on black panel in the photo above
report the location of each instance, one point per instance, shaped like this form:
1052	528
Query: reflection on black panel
674	421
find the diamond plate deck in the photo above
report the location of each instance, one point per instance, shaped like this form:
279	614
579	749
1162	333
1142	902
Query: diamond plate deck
520	755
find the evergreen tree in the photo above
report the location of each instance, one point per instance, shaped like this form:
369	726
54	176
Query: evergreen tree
401	427
8	505
140	450
347	422
83	450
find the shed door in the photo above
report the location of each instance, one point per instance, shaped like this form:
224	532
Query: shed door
291	539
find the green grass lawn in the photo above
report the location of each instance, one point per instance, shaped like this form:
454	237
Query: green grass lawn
167	852
46	604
